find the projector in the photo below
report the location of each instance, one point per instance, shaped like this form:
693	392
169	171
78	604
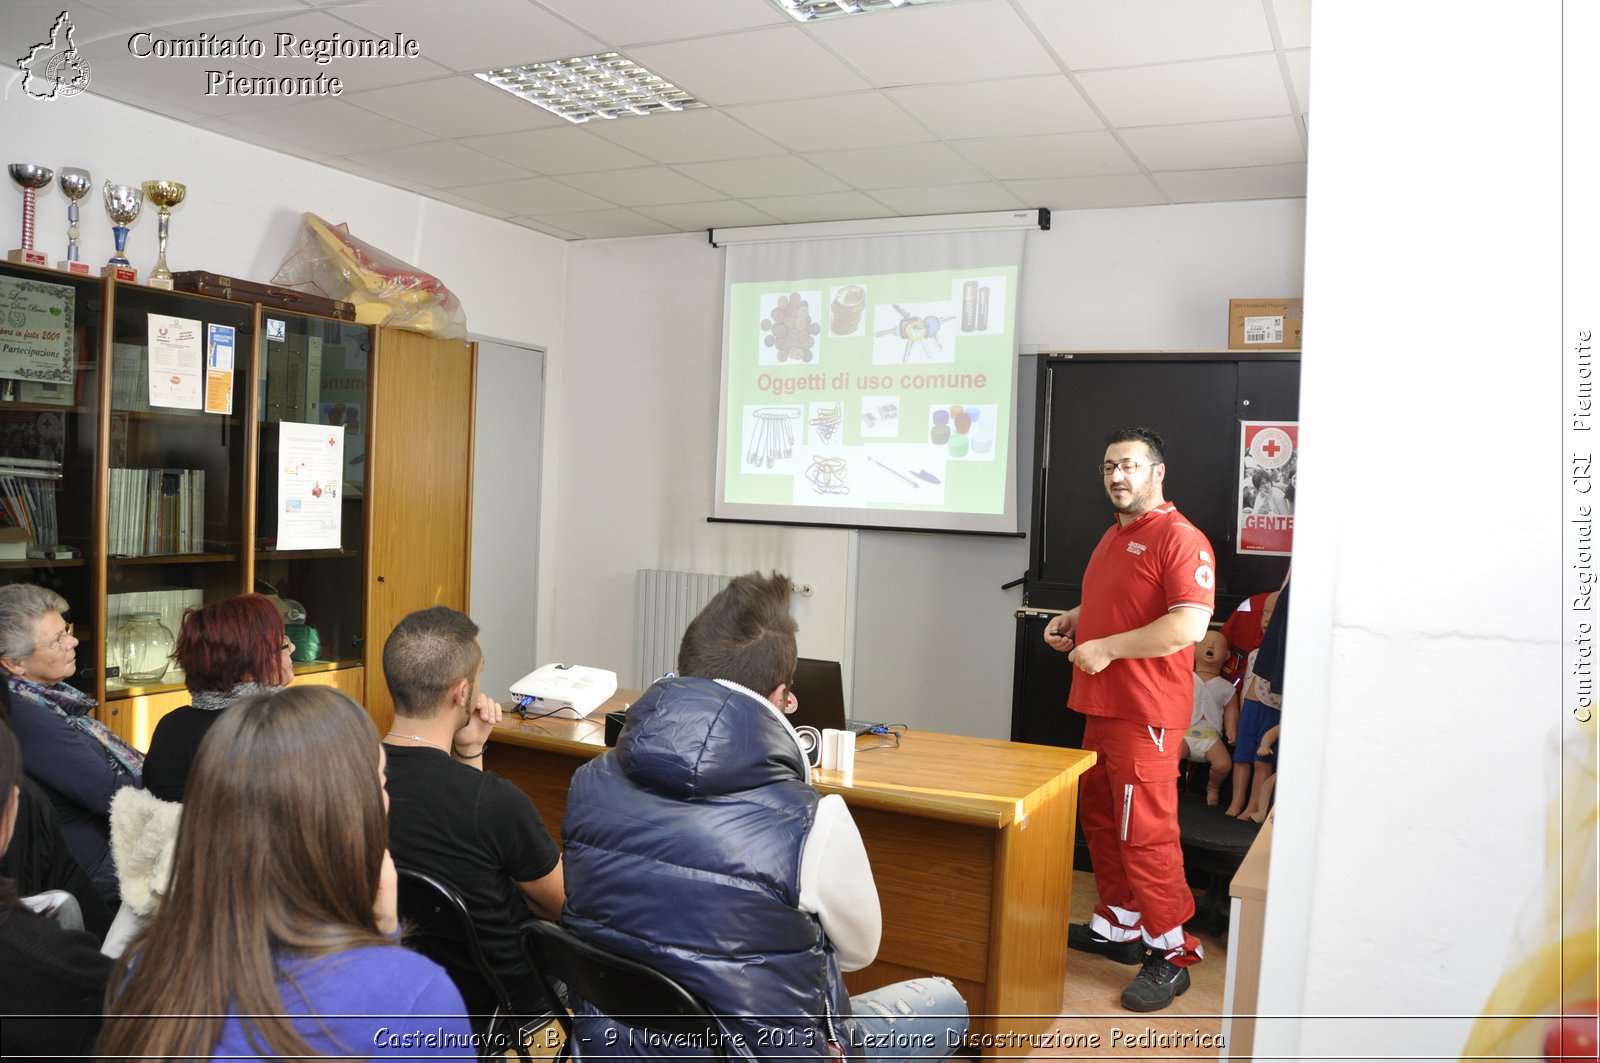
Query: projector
566	691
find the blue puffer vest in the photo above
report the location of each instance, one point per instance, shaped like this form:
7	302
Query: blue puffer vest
683	851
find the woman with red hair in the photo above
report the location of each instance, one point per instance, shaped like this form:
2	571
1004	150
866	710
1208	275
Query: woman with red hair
228	650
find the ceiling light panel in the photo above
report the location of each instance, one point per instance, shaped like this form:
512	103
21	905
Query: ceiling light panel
811	10
608	85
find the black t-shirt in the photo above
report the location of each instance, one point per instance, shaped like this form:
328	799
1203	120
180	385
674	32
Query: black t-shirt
480	834
173	747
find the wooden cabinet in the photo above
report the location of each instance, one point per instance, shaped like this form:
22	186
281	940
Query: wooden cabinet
421	481
157	506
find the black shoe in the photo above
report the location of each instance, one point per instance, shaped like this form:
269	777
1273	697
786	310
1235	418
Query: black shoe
1080	937
1156	984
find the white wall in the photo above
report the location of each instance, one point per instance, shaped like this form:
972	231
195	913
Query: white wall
633	416
1424	655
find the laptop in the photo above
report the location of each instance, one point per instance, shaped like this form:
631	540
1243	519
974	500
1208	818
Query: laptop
819	687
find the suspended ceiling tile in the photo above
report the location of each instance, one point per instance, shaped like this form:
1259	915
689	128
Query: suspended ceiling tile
1255	182
455	106
856	120
1016	107
565	148
1217	145
643	187
1209	90
1094	34
476	36
687	136
628	23
440	164
1299	64
321	128
1055	155
948	199
782	63
937	43
901	167
834	206
600	224
724	213
1088	193
785	175
1294	22
530	196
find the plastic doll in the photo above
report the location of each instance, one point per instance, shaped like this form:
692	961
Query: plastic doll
1203	741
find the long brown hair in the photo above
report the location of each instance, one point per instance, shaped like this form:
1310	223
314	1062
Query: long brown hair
278	852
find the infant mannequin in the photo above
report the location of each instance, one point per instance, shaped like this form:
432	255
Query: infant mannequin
1203	741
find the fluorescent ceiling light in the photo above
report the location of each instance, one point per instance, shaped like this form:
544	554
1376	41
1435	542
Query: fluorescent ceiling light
607	85
978	221
809	10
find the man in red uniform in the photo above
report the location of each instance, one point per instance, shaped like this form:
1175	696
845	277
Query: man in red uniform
1147	598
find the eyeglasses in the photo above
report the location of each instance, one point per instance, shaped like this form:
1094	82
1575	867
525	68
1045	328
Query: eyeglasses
287	647
60	641
1127	465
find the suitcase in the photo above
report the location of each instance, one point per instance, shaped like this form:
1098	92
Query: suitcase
200	282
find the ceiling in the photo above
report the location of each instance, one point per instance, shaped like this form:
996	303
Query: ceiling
968	105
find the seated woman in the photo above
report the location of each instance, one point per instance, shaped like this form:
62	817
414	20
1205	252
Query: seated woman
78	762
228	650
45	970
281	938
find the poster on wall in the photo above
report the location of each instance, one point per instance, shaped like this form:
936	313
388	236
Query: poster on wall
1269	458
310	482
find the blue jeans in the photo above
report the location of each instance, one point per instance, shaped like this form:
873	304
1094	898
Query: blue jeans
922	1019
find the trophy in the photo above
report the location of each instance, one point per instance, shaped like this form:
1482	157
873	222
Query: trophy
75	184
165	195
29	177
122	204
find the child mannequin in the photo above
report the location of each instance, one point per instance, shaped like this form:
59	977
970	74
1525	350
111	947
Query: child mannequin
1203	741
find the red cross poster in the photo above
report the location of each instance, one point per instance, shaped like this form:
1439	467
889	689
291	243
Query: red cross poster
1269	457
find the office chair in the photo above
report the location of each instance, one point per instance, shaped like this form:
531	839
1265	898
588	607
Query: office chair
624	989
433	912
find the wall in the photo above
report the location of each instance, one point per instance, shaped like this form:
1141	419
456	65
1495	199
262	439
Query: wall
1424	669
634	412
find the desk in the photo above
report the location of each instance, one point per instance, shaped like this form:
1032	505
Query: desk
970	841
1249	920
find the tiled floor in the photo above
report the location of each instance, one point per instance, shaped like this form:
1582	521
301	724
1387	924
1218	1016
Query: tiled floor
1093	1024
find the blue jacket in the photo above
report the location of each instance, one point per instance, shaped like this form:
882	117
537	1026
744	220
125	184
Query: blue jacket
683	851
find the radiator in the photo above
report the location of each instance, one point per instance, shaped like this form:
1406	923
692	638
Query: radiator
665	602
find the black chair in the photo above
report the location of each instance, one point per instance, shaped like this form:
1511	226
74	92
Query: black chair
628	991
435	915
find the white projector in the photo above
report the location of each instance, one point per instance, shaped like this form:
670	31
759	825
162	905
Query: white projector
566	691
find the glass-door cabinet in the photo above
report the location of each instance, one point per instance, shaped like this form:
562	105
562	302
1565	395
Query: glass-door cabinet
311	482
50	342
176	492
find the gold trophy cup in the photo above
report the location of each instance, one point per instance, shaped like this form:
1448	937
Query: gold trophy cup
30	177
165	195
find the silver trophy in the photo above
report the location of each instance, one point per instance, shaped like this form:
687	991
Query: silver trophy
30	177
122	204
165	195
75	184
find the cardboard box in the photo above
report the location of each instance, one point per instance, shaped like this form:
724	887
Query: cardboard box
14	544
1264	324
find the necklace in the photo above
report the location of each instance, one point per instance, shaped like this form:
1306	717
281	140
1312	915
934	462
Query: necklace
417	738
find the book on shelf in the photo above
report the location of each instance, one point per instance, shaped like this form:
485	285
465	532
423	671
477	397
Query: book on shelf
28	501
156	511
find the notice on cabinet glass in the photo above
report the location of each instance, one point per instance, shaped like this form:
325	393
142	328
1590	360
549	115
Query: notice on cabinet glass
176	363
310	482
1269	458
219	368
36	330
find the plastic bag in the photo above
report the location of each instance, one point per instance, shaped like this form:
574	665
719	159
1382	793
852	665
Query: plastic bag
385	291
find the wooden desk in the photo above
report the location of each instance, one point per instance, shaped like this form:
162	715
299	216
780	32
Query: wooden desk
1248	927
970	841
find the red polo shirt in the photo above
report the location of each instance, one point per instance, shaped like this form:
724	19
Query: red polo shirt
1136	575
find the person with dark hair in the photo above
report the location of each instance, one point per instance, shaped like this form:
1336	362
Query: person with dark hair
51	978
1148	594
76	760
698	847
228	650
454	820
286	940
39	858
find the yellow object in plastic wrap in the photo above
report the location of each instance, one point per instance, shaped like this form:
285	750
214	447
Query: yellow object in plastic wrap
384	290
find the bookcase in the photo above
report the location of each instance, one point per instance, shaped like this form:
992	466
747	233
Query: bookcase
244	465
